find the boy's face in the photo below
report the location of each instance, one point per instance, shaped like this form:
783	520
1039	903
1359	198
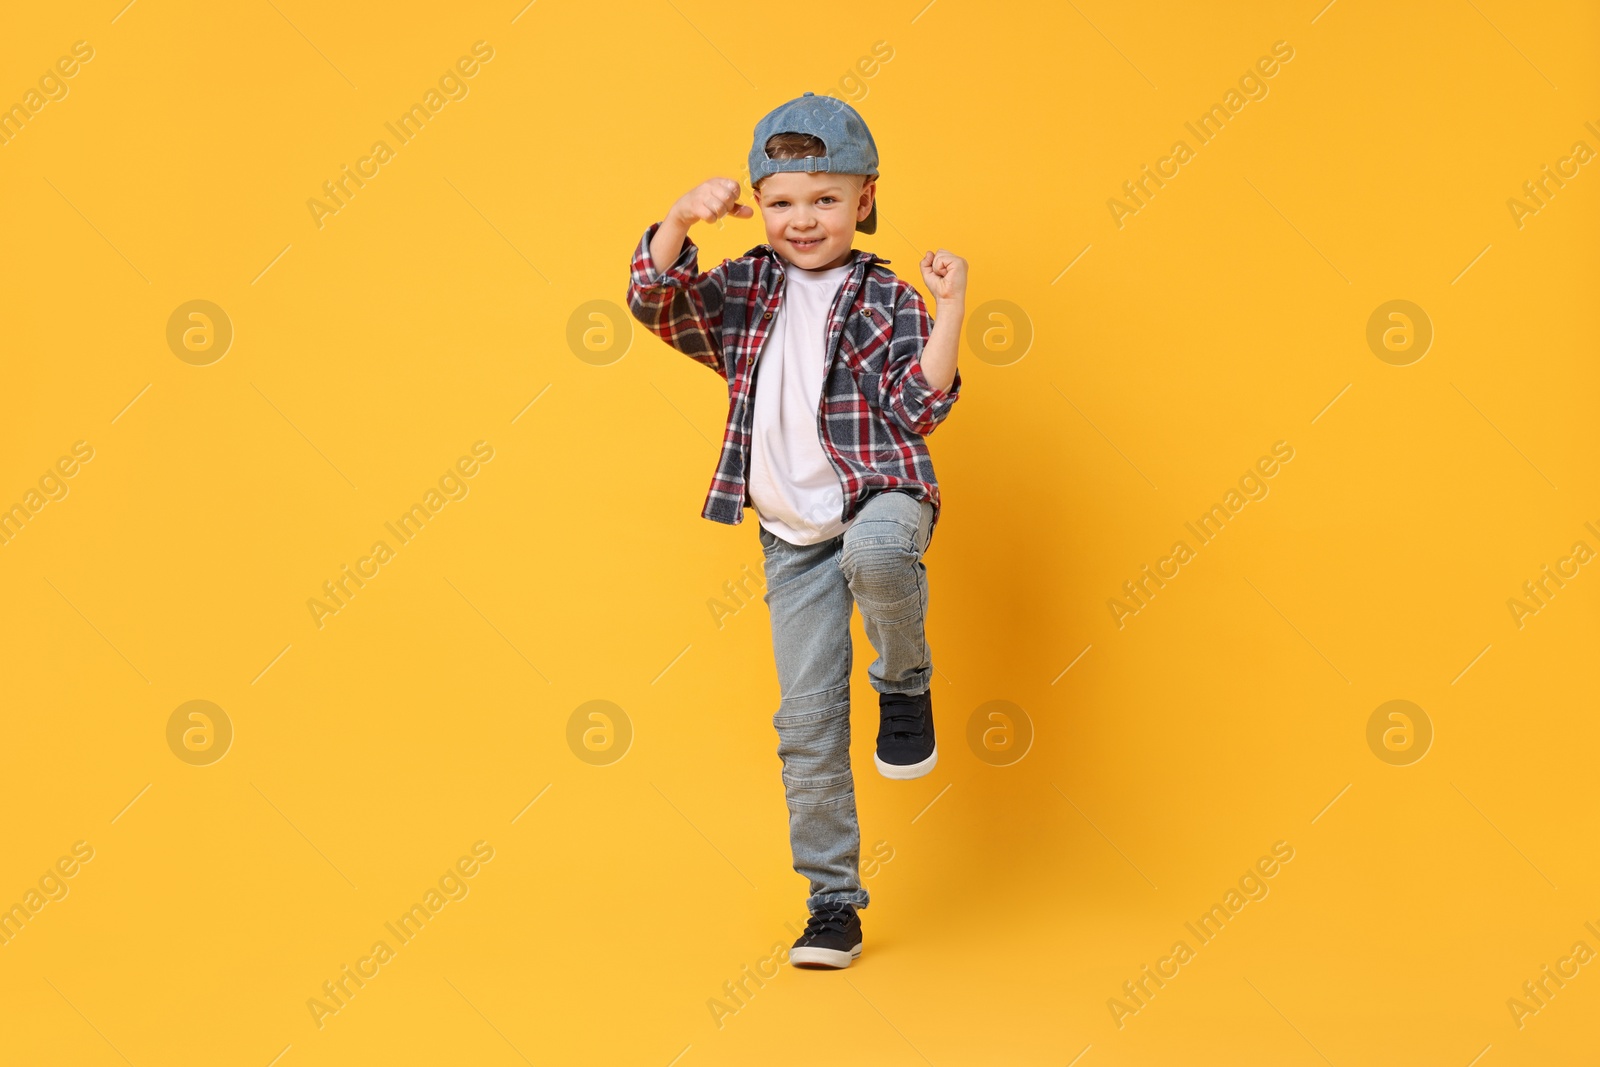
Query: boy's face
811	217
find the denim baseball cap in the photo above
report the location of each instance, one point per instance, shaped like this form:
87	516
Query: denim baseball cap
842	131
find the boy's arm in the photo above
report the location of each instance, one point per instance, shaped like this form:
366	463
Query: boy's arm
679	304
918	350
667	292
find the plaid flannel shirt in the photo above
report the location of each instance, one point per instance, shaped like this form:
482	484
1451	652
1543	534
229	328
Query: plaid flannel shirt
876	405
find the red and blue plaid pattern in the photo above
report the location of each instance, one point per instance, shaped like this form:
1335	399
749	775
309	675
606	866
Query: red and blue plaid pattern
876	405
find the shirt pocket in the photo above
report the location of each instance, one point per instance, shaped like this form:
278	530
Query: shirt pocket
866	339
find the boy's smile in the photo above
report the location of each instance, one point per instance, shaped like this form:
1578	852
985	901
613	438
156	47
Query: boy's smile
811	217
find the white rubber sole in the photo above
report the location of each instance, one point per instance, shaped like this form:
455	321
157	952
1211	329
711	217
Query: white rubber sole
909	770
823	957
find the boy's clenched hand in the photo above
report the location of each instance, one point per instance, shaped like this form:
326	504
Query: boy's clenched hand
946	276
706	202
709	201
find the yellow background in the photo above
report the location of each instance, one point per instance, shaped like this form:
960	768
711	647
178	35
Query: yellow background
432	710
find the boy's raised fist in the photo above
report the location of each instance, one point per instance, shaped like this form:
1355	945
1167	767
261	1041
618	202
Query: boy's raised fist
945	275
710	200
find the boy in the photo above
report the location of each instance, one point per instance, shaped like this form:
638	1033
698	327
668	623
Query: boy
835	375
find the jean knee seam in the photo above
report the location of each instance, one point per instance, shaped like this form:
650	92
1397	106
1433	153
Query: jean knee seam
802	708
839	803
825	781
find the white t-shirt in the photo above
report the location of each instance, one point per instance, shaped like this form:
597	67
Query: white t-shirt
793	485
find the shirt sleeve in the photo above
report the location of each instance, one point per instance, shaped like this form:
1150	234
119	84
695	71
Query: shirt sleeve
680	305
908	398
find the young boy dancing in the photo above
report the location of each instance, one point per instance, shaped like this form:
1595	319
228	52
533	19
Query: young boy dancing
835	375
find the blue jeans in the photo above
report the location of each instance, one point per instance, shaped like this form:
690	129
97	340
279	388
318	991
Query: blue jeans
876	564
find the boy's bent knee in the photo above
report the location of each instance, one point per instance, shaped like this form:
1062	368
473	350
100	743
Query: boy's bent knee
881	567
878	544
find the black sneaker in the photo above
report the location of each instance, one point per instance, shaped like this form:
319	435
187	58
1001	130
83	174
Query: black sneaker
906	747
831	940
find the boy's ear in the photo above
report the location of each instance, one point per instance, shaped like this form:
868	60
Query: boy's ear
869	192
